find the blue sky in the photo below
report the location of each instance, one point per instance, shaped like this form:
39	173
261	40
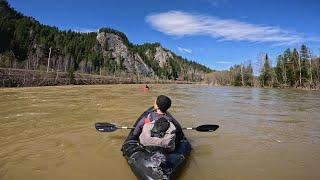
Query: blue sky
216	33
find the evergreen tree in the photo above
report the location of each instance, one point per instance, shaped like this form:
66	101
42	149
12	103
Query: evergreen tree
305	57
280	70
266	73
248	75
236	71
293	68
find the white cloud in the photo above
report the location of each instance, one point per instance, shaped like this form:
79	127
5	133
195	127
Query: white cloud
185	50
179	23
223	62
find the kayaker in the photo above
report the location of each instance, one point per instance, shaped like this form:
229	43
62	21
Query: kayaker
161	105
146	88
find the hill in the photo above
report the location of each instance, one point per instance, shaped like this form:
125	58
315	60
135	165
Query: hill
27	44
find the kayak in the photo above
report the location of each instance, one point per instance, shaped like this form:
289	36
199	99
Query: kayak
149	164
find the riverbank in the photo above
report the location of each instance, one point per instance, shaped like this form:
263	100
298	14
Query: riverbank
316	88
32	78
255	84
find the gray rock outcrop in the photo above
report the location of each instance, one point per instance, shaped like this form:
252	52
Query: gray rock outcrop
114	49
161	56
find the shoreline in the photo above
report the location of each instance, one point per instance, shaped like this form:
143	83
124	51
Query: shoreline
18	78
287	87
34	78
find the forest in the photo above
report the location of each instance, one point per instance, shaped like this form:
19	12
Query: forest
297	68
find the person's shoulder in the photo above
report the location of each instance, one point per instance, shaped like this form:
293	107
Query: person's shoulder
151	109
169	114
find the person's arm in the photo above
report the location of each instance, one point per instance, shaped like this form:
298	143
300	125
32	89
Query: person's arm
138	128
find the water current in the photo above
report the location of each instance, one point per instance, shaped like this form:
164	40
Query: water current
48	133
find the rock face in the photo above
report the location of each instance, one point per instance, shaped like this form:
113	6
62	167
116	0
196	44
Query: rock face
160	55
115	50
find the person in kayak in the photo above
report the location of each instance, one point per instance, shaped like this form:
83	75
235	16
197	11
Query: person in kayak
146	88
161	105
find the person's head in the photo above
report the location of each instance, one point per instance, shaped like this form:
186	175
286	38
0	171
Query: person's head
162	103
160	127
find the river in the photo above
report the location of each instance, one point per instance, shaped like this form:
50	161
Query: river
48	133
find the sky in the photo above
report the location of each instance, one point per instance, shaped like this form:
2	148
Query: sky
215	33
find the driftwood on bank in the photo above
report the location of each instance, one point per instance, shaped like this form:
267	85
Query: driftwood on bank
31	78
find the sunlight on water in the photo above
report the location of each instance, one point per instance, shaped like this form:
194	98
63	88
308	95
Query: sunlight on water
48	132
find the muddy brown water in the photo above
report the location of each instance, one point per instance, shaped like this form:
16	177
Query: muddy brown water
47	133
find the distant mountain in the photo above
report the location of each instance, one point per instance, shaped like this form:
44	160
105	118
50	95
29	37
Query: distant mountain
27	44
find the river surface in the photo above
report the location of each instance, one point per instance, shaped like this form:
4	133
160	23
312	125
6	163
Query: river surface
48	133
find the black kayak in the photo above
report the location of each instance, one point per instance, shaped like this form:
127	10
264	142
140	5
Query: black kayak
152	164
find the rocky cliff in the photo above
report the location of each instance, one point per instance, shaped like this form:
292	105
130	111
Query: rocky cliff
160	55
115	50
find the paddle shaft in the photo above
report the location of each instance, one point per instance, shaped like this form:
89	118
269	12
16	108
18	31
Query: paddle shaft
107	127
185	128
124	127
189	128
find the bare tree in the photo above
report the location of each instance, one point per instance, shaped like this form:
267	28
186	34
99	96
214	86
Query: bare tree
49	59
37	57
66	62
299	60
284	69
242	78
310	67
58	68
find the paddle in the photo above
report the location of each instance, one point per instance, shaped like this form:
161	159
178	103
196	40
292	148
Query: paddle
108	127
204	128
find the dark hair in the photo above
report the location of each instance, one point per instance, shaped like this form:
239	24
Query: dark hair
163	102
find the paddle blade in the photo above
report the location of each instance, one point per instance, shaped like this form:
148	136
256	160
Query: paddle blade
105	127
207	128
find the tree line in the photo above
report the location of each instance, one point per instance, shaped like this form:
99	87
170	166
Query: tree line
294	68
